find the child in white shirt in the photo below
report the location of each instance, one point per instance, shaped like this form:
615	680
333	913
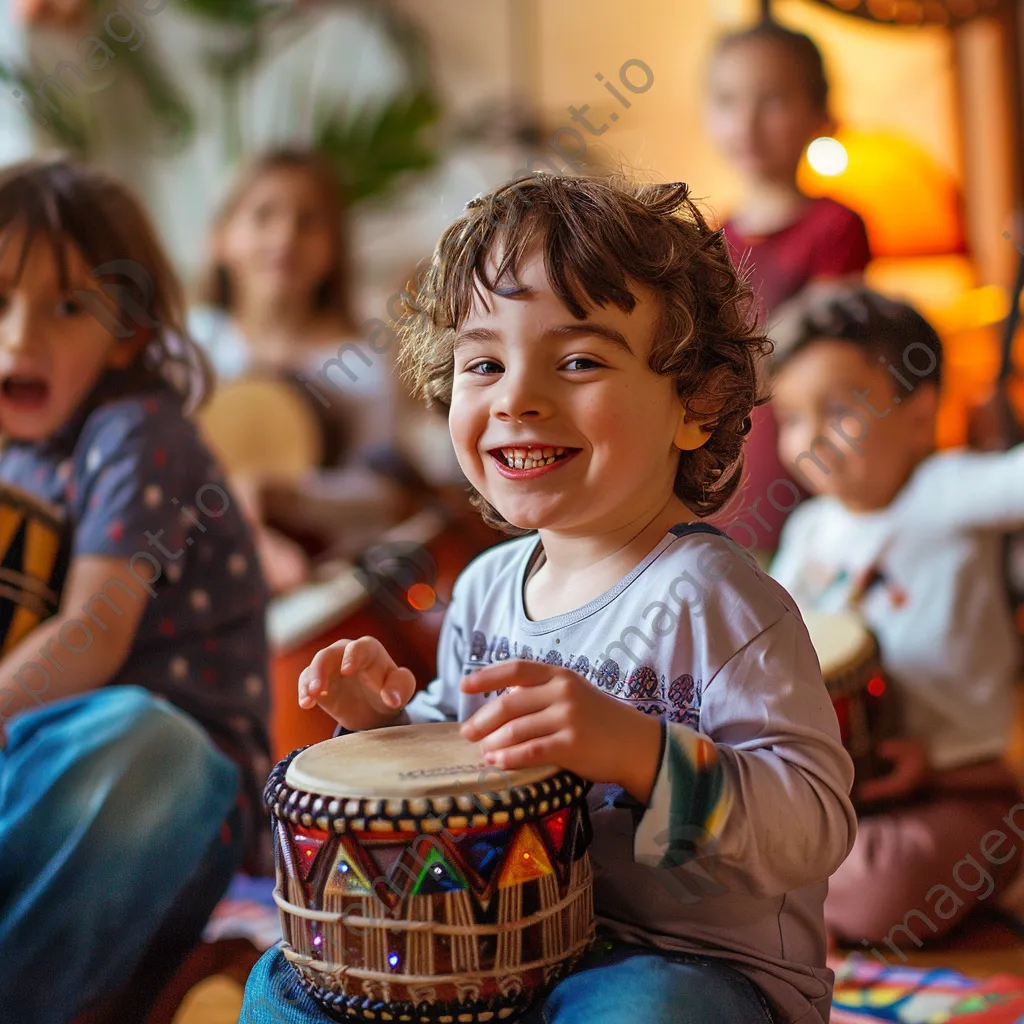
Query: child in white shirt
912	540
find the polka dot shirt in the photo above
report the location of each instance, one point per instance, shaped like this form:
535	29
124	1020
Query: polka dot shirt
136	481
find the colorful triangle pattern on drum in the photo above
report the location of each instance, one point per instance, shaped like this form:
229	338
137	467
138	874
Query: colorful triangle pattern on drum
384	856
557	826
348	875
483	851
527	860
437	876
306	844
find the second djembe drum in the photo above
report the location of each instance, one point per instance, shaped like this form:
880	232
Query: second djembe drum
417	884
863	700
33	563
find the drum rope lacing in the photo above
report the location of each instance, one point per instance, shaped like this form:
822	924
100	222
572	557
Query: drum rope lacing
435	927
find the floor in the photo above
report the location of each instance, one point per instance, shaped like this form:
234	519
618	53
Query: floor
218	1000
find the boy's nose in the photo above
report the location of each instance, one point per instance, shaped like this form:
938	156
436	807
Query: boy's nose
519	401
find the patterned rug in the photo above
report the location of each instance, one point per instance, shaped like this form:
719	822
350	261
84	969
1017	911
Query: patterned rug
866	992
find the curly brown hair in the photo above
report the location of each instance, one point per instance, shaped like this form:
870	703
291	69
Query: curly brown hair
600	238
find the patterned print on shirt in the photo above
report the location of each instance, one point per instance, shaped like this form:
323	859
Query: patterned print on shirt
644	688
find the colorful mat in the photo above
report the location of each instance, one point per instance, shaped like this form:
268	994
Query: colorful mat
867	992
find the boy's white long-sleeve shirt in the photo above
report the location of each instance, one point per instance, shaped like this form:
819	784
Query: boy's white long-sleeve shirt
935	597
750	811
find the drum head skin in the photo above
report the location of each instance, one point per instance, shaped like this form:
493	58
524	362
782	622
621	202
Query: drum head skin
263	426
415	778
841	641
403	762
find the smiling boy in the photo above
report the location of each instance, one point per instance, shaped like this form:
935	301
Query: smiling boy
597	355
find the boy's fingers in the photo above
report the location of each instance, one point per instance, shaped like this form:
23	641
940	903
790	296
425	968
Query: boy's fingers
509	706
360	655
509	673
399	687
328	660
520	730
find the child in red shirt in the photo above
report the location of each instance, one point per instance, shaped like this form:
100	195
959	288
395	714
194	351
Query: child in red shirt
767	99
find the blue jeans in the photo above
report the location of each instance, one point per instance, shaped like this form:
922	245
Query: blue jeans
112	805
613	984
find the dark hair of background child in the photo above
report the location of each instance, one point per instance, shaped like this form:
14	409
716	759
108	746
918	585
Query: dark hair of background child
799	47
599	238
882	327
67	203
333	294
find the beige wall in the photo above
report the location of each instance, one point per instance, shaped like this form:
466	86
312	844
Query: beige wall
662	132
882	78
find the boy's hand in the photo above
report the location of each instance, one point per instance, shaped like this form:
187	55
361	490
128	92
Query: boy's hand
357	683
909	773
554	716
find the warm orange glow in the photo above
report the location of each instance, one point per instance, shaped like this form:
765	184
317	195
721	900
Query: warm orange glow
421	597
909	202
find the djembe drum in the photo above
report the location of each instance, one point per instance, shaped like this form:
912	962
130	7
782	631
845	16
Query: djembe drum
417	884
33	563
268	425
863	700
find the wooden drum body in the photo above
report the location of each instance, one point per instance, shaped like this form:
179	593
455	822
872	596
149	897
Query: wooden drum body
863	700
33	563
417	884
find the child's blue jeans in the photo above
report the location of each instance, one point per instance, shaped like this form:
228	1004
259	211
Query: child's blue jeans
613	984
111	803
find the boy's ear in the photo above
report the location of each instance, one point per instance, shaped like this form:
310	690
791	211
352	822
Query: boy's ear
691	433
923	408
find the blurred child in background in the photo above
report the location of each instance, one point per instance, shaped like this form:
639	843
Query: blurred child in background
276	299
911	539
767	99
120	819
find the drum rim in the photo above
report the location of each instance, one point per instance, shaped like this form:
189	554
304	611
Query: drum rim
362	1007
853	679
420	814
852	676
32	502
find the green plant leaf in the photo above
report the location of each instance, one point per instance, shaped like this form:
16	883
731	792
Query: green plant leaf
236	12
373	147
65	131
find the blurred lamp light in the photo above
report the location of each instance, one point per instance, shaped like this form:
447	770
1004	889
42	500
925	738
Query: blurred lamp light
914	12
827	156
910	203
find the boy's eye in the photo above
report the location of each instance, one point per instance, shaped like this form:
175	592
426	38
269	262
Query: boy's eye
582	363
484	366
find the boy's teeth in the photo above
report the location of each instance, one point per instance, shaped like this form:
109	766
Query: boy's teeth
530	458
